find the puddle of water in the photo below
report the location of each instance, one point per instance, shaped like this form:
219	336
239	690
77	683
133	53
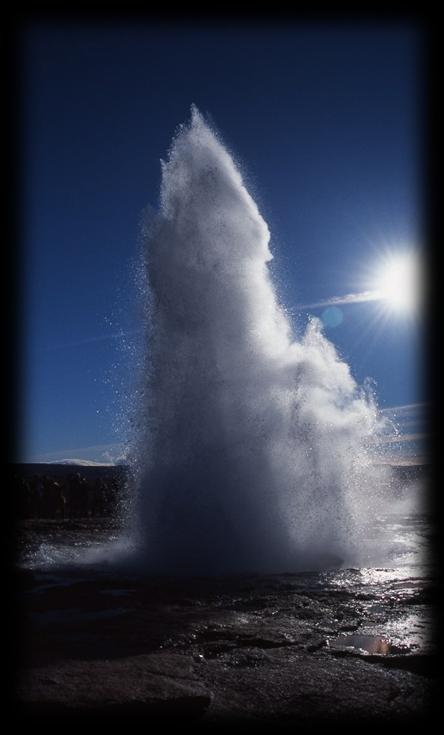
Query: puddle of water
367	645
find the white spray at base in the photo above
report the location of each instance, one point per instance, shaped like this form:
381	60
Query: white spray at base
254	448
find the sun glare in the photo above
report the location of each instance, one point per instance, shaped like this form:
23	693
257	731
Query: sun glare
397	282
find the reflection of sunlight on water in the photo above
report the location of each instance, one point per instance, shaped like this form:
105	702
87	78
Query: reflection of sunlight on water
405	634
398	551
374	577
414	630
399	541
383	576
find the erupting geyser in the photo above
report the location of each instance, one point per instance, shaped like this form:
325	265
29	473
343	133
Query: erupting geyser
255	448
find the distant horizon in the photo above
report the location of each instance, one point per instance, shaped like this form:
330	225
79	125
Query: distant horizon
398	461
411	420
413	461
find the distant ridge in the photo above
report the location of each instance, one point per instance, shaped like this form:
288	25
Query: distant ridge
66	467
81	463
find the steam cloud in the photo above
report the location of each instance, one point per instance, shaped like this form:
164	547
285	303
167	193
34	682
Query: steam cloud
254	446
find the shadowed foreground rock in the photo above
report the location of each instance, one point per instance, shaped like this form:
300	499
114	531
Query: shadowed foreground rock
248	649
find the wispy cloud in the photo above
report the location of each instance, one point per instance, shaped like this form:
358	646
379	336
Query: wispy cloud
405	460
411	419
403	438
407	408
407	433
350	298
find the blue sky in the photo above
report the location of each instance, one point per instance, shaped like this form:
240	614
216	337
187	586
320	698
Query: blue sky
326	123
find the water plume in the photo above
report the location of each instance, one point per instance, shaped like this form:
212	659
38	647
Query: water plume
254	447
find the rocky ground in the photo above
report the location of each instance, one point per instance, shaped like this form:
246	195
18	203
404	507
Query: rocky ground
340	645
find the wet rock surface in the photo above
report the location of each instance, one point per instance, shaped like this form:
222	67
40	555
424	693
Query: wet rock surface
340	644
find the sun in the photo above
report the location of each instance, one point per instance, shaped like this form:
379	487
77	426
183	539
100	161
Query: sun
397	282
